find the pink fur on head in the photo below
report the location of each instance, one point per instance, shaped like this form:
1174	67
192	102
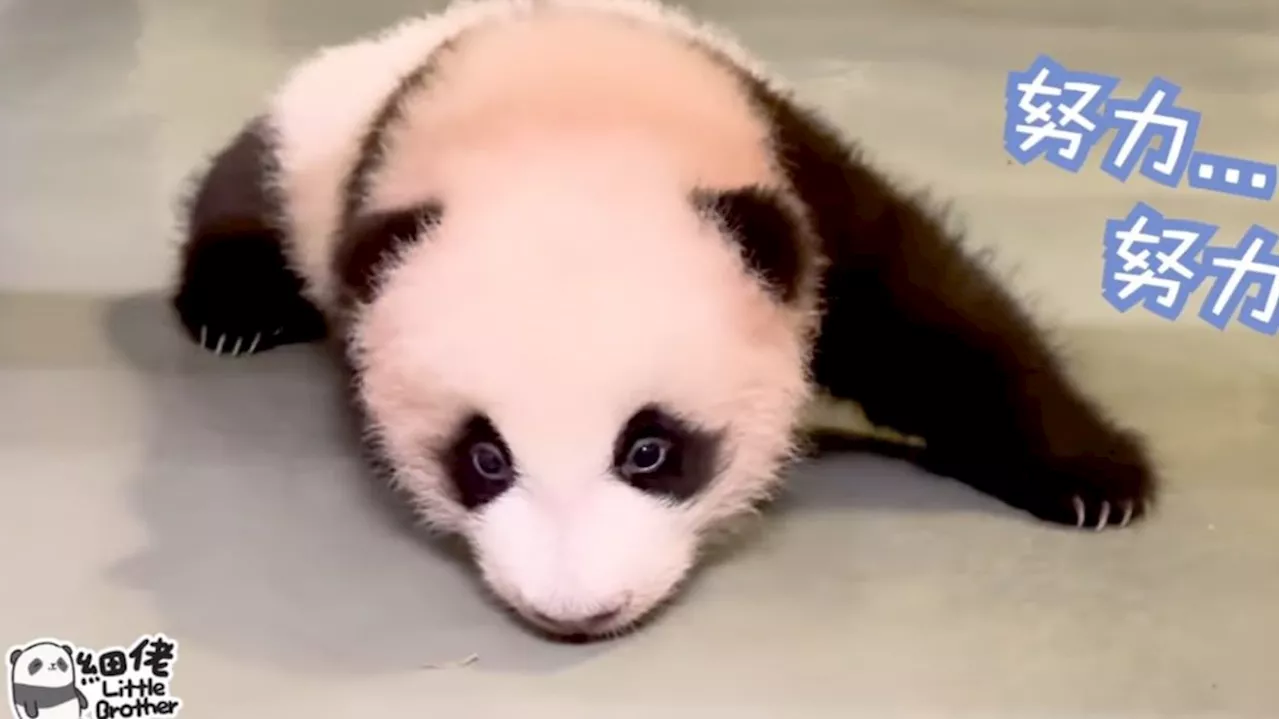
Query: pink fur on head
569	282
562	291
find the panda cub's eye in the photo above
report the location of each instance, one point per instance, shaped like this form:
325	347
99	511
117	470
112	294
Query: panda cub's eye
478	462
488	461
665	456
647	455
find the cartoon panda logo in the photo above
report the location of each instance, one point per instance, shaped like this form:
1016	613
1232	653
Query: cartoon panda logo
42	682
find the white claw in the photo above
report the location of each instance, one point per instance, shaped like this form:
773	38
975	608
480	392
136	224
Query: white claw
1103	516
222	339
1128	514
204	336
277	331
1079	505
235	349
254	344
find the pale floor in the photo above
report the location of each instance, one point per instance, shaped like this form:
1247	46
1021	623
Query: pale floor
146	487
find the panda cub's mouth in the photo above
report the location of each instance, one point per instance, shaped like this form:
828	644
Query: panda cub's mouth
589	628
610	625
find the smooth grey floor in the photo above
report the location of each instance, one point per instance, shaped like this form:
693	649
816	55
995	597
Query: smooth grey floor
147	487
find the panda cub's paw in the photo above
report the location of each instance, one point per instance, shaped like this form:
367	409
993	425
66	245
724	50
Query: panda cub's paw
1110	488
238	297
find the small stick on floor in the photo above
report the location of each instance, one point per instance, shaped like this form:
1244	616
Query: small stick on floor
456	664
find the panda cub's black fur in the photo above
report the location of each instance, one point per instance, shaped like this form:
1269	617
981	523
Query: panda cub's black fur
237	293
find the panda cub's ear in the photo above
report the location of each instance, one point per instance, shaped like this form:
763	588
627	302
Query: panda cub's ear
768	236
13	656
372	240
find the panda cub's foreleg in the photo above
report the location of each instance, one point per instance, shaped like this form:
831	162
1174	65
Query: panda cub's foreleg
929	343
237	294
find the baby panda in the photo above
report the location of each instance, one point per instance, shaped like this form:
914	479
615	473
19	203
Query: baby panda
588	262
42	682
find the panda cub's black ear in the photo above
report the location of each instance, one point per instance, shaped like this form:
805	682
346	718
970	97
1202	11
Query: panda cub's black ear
372	240
13	656
768	236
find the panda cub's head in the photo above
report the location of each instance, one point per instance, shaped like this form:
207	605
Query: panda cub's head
576	369
44	664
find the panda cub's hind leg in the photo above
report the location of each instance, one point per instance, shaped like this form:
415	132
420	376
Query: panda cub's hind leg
932	344
236	293
929	342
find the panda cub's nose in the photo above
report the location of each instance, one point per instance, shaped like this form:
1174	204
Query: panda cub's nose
569	624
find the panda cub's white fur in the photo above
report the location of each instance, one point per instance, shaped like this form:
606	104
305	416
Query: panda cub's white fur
588	264
572	285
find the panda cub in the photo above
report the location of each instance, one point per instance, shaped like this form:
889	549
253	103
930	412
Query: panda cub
588	262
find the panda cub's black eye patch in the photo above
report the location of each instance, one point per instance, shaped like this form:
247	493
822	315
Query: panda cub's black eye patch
478	462
663	455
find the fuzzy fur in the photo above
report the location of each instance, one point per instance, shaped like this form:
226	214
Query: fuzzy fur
552	214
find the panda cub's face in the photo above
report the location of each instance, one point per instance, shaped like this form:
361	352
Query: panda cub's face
43	665
581	379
